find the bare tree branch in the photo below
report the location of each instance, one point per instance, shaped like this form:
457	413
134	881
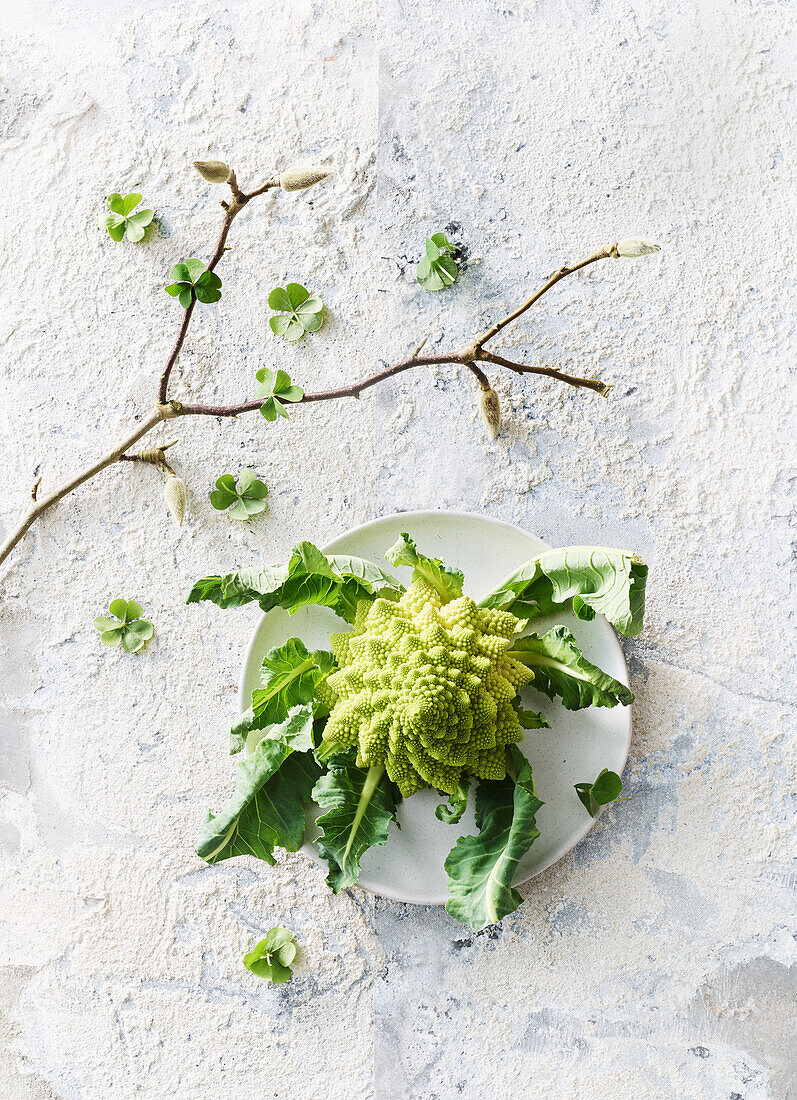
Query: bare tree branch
167	409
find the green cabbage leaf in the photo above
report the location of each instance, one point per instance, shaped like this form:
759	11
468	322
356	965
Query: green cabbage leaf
358	805
480	868
308	577
560	668
272	786
597	581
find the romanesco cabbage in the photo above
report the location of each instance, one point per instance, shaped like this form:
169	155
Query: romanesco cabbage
425	688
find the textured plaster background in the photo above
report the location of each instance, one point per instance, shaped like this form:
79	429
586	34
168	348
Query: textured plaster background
657	959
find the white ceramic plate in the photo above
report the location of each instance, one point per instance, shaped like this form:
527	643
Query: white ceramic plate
576	748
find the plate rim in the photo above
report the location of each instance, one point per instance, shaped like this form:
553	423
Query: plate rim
625	712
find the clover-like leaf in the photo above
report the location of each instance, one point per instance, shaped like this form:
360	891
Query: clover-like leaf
125	627
272	958
191	280
606	788
438	270
120	219
297	314
275	389
247	498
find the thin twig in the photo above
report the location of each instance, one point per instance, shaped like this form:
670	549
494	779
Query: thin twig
163	387
274	182
231	210
162	412
353	390
480	376
570	379
562	273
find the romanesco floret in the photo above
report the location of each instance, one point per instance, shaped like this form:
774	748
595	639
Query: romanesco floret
426	689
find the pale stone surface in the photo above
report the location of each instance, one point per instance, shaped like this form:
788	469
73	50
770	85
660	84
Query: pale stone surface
657	959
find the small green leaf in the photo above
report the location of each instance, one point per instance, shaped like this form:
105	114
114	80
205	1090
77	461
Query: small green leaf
137	634
266	379
530	719
311	305
246	479
103	623
191	280
271	958
207	294
221	499
432	251
108	220
442	242
126	627
606	788
446	270
238	511
257	490
296	294
286	954
121	221
279	973
452	810
134	232
226	481
279	937
132	611
424	270
300	313
281	382
195	268
446	581
269	409
293	393
142	218
437	270
278	299
243	500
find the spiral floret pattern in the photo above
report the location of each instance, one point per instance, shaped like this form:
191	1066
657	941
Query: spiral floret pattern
426	689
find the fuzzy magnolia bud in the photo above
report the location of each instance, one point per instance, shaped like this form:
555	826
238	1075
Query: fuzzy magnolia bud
634	248
490	408
298	177
175	497
214	171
